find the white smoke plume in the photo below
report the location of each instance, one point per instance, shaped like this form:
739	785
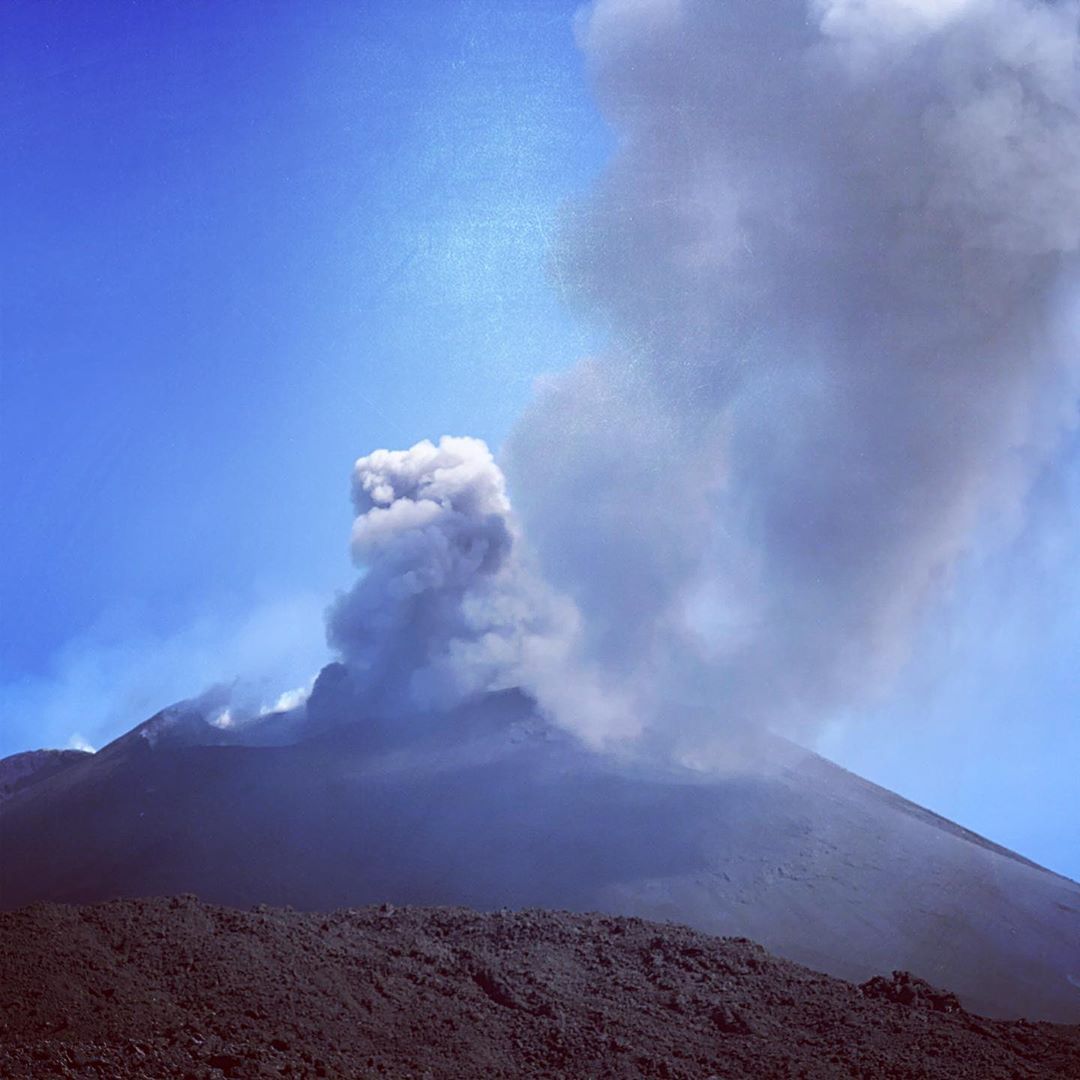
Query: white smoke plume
837	254
447	607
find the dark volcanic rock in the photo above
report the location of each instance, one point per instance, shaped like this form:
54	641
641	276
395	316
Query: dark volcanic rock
906	989
489	807
20	771
174	987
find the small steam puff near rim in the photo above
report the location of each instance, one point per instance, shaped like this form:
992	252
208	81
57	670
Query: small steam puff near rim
449	606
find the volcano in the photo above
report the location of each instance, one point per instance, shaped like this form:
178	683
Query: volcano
492	808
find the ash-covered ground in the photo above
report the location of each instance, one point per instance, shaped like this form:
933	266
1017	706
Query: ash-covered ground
175	987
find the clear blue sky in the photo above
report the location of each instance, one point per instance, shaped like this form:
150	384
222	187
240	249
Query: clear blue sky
246	242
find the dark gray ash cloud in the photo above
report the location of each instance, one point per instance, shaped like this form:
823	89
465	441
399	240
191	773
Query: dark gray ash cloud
837	251
448	606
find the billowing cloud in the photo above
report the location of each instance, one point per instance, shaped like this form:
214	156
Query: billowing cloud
447	606
837	253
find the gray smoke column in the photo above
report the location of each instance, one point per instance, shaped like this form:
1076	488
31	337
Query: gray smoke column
837	253
447	607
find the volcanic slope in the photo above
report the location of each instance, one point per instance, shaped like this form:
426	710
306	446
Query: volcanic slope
174	987
496	810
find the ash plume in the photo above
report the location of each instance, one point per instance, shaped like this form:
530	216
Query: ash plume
837	254
447	607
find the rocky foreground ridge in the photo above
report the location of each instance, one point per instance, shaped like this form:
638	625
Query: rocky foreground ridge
178	988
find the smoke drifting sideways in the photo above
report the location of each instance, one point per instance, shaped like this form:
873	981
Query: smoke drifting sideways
837	252
448	607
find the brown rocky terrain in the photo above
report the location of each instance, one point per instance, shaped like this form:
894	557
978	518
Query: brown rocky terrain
178	988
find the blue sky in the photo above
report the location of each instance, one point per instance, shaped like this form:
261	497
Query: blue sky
245	243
